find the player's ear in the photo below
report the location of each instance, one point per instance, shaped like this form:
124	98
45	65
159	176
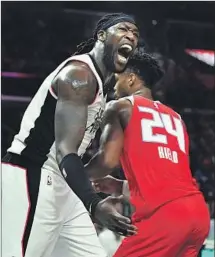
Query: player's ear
102	35
131	79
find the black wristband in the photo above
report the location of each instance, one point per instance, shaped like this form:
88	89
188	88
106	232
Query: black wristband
74	173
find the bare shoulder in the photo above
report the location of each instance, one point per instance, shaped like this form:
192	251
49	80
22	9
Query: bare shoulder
76	82
121	109
118	105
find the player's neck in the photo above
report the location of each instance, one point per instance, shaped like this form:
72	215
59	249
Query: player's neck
97	56
145	92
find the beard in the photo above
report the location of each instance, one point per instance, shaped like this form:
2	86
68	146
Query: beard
108	57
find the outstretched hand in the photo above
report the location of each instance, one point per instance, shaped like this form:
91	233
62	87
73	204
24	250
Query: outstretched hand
107	215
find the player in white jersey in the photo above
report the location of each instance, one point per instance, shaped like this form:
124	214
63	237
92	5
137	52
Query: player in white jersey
46	192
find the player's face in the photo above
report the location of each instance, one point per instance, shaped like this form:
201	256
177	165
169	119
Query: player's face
122	88
120	44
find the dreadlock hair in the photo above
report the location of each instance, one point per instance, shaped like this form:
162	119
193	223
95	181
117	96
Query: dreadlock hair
145	66
88	45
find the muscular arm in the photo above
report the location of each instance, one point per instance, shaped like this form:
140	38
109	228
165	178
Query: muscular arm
111	144
76	89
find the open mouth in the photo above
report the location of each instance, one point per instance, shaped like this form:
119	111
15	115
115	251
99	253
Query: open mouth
124	52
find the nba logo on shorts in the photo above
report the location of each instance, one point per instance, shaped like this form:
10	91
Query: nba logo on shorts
49	181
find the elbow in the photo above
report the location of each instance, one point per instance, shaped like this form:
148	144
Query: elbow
62	150
100	166
108	161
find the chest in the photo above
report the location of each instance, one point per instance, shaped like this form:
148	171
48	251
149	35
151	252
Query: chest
95	114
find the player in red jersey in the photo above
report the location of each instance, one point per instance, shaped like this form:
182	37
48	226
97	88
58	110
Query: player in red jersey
151	142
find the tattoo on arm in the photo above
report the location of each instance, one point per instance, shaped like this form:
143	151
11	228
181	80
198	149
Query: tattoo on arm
76	89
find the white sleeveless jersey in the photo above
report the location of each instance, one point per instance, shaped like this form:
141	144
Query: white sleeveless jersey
36	139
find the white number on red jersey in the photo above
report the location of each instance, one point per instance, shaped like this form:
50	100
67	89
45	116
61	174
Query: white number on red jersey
161	120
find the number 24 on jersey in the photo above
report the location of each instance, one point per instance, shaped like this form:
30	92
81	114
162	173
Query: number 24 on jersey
161	120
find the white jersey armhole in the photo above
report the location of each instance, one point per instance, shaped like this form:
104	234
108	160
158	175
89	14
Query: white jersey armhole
85	58
52	92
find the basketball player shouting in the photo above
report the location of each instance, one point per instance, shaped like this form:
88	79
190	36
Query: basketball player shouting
44	162
151	142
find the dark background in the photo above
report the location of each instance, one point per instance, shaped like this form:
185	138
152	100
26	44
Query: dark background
37	36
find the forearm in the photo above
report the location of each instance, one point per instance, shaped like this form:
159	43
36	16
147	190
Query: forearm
96	167
76	89
73	171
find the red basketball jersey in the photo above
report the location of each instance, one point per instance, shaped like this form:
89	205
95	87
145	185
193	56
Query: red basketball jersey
155	156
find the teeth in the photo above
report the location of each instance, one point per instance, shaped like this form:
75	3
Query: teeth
127	47
122	59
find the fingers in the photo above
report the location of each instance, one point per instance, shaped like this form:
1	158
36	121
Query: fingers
129	229
121	198
101	180
123	224
106	178
96	187
115	200
122	231
122	219
118	230
113	219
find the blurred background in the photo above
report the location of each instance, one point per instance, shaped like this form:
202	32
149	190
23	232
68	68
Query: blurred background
38	36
